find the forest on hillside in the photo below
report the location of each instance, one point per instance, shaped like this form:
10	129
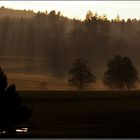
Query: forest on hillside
62	40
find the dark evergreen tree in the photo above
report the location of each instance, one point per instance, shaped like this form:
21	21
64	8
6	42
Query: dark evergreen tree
12	109
3	81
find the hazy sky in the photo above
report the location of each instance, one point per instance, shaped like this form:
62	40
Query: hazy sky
78	9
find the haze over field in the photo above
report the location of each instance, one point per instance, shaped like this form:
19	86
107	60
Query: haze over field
39	47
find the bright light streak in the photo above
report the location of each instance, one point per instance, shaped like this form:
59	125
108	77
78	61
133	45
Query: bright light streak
22	130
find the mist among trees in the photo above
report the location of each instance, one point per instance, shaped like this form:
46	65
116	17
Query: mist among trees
62	40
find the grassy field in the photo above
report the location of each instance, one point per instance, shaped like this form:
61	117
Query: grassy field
83	114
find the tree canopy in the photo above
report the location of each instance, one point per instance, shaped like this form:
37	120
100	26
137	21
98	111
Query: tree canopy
81	75
120	73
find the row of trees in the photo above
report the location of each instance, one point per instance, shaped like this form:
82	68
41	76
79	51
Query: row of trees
61	40
120	74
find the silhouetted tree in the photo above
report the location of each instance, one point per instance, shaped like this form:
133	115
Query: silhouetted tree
12	110
3	81
121	73
81	75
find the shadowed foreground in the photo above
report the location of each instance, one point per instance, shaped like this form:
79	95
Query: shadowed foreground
84	114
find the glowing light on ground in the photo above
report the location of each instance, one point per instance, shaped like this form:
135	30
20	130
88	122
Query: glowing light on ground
3	132
22	130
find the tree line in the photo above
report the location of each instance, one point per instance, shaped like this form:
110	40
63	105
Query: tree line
62	40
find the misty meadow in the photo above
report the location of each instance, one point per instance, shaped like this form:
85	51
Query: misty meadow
68	78
46	44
